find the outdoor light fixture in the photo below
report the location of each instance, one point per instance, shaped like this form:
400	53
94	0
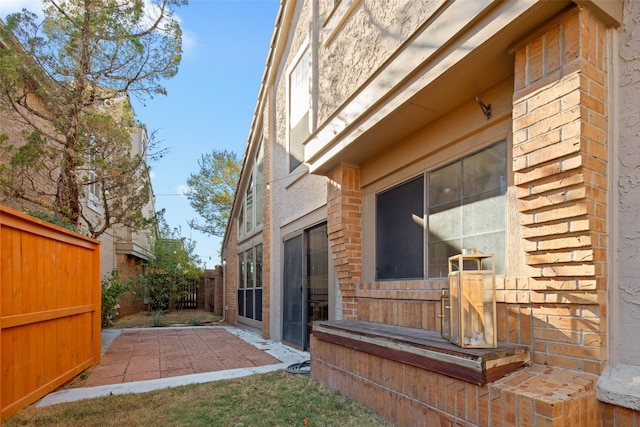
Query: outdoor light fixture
469	304
486	109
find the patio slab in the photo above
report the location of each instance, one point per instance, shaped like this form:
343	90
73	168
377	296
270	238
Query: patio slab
144	359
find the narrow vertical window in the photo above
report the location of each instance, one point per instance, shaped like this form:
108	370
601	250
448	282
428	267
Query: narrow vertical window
249	207
252	209
259	187
241	221
299	105
94	186
250	284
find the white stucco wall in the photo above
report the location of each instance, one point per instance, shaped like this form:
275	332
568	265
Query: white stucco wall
298	199
380	25
628	162
620	383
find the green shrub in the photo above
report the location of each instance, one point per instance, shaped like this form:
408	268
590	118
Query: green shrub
157	318
195	321
55	219
112	288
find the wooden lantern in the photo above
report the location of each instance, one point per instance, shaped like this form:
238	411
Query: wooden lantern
469	305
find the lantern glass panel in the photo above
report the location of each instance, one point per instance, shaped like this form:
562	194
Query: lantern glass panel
471	300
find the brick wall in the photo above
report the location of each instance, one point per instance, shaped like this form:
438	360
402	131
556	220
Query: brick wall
213	290
406	395
37	191
344	226
266	226
618	416
231	275
558	306
132	301
560	166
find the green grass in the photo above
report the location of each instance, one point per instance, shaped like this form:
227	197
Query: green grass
273	399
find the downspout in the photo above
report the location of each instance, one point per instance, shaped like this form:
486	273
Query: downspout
225	307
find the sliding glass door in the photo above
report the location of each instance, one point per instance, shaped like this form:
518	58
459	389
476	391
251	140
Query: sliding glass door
305	284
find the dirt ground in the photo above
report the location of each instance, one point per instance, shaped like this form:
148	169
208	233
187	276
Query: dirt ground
149	319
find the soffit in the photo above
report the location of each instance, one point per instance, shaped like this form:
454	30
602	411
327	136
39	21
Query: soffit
460	77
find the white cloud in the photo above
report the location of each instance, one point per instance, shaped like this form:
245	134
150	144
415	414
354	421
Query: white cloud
11	6
182	189
189	40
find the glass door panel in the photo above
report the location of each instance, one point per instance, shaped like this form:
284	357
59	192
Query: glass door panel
317	277
292	309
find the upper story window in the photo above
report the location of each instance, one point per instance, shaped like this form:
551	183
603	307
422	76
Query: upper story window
252	204
94	192
94	187
259	185
143	142
299	108
461	205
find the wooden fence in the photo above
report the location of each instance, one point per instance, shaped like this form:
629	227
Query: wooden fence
49	308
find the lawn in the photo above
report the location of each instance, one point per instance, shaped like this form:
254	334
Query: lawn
273	399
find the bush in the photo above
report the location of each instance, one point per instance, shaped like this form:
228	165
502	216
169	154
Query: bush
55	219
112	288
195	320
157	319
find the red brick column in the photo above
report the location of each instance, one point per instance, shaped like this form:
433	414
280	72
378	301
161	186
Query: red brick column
230	275
130	269
267	222
344	224
560	165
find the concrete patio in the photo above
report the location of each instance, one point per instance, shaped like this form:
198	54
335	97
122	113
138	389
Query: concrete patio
144	359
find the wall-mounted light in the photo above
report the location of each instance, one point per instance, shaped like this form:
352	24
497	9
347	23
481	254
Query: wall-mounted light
486	109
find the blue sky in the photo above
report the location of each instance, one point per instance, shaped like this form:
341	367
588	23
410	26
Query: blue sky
210	103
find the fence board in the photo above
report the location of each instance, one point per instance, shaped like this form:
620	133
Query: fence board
49	308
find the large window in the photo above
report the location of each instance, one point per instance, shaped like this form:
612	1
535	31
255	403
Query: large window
252	205
461	205
250	284
299	106
399	231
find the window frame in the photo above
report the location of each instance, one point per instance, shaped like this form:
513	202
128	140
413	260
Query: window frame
94	187
250	283
427	210
250	217
299	122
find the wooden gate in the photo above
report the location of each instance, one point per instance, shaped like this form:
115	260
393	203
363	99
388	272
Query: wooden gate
188	296
49	308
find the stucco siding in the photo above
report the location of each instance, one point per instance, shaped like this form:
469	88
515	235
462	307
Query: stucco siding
628	162
356	42
293	196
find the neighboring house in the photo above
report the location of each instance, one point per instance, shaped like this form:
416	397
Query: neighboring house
373	156
121	248
128	250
